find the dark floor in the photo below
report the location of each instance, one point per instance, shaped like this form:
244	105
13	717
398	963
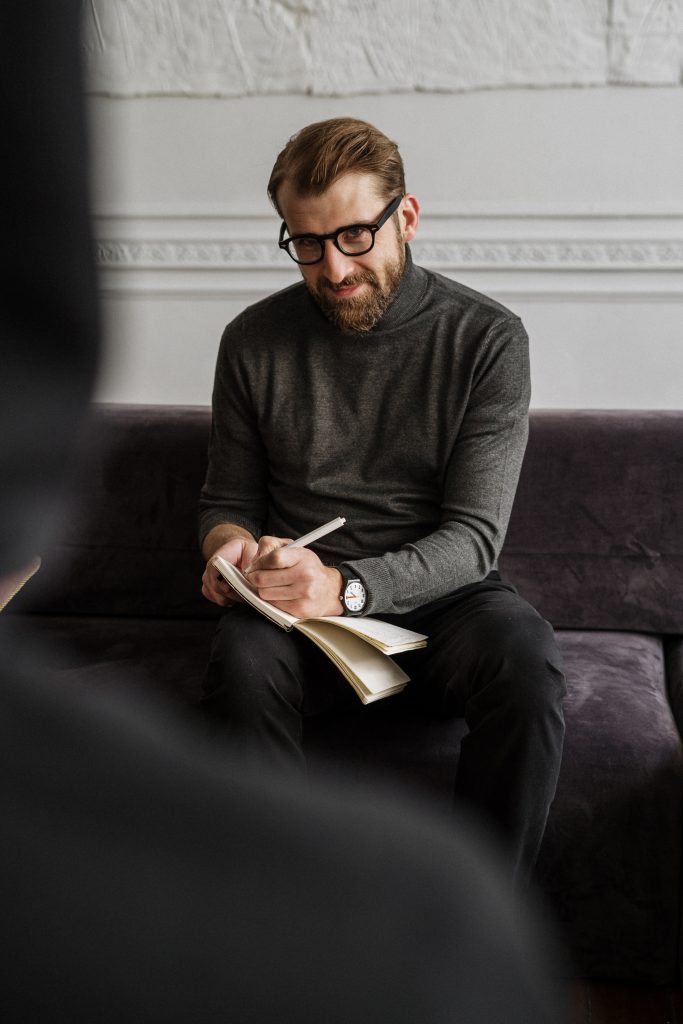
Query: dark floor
593	1002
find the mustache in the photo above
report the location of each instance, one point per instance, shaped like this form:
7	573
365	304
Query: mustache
364	277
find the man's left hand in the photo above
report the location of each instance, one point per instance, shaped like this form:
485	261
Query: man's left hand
294	579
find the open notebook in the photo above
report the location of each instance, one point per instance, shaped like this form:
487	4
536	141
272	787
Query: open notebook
359	647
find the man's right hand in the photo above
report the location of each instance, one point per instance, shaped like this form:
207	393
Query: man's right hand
240	552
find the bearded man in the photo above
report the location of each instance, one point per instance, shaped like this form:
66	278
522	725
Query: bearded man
397	398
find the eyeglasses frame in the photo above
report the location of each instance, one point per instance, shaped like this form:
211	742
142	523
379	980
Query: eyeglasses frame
333	236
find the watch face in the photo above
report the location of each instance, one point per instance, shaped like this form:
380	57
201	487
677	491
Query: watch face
354	596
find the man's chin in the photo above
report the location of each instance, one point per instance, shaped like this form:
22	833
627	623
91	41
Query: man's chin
359	310
356	312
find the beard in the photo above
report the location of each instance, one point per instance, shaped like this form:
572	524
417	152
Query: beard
360	312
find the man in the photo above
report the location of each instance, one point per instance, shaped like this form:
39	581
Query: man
397	398
139	881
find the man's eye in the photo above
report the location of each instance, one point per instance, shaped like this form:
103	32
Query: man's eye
306	243
356	239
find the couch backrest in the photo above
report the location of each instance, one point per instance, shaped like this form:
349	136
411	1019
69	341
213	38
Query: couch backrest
595	539
596	536
130	545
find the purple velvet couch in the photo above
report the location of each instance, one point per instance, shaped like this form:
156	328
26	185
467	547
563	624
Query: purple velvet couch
595	542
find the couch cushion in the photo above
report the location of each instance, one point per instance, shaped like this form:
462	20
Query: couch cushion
674	675
158	659
610	861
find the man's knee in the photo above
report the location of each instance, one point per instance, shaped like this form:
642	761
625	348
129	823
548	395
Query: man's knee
253	666
519	653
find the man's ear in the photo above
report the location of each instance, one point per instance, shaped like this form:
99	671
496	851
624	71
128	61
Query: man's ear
409	216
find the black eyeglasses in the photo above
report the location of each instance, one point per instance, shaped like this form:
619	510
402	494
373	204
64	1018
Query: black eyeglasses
352	240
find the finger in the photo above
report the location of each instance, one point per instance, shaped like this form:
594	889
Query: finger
261	578
226	600
285	557
279	595
248	554
266	556
216	589
269	543
215	582
286	565
229	595
262	550
212	596
275	587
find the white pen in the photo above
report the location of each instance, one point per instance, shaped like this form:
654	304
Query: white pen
322	531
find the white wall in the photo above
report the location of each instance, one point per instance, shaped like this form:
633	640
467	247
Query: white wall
564	203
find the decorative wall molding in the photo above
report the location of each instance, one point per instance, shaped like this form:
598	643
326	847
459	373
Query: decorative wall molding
448	254
190	252
347	47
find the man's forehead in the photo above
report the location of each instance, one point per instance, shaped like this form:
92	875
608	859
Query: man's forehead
353	197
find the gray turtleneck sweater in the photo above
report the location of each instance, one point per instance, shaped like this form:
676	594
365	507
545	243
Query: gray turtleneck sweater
414	431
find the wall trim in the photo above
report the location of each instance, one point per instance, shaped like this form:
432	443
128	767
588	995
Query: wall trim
447	254
194	250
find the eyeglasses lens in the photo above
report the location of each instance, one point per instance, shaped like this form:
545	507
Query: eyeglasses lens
353	241
306	250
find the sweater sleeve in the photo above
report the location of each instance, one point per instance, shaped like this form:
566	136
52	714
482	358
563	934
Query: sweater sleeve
235	489
479	486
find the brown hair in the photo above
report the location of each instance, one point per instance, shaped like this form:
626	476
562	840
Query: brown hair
322	152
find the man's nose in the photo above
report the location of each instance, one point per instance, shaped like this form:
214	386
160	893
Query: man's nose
336	266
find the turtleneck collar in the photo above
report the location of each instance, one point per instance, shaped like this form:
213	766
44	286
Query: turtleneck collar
407	298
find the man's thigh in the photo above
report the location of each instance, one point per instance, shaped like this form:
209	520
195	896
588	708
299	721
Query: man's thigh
249	651
487	629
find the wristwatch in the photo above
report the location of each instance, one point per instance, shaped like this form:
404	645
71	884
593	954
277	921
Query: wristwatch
353	596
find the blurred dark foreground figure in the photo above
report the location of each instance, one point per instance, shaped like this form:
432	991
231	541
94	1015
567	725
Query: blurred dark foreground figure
138	880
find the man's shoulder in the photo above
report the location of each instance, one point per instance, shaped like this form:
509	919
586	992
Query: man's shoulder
292	300
461	299
265	324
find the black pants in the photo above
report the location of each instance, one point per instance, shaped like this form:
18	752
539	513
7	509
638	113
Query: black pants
490	658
